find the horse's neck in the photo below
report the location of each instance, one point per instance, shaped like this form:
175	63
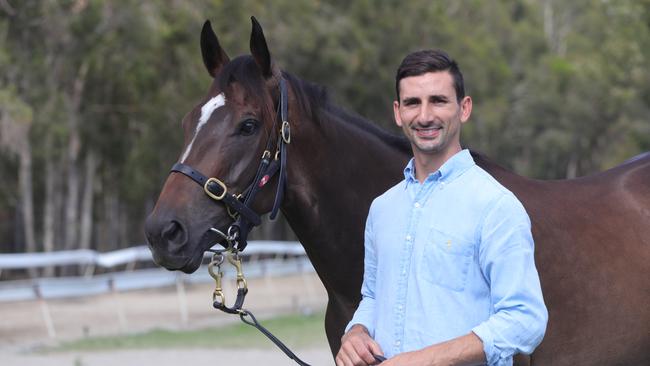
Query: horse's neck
336	168
522	187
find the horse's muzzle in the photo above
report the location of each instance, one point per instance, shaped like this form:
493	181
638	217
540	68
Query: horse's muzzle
168	240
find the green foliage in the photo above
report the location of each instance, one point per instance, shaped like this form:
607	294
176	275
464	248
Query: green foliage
559	88
17	110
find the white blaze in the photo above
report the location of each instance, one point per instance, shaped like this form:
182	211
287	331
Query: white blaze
206	111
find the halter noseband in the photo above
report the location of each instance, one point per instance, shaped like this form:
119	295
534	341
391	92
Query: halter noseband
245	217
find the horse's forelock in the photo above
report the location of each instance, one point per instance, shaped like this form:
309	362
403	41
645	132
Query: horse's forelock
244	71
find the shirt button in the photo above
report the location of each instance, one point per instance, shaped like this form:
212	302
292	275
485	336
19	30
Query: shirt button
408	238
399	307
417	205
397	343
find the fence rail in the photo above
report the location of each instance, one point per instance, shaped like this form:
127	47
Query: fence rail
263	258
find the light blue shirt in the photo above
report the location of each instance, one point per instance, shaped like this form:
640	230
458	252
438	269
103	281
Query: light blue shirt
447	257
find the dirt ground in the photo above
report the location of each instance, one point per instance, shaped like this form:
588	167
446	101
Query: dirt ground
24	326
220	357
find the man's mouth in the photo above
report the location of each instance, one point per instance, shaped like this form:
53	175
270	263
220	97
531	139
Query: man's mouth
427	132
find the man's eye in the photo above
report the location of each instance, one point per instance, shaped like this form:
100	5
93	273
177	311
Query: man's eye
248	127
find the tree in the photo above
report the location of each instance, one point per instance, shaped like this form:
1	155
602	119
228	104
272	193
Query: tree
559	90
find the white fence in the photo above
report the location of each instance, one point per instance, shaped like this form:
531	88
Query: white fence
280	258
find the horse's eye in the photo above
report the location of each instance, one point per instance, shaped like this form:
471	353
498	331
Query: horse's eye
248	127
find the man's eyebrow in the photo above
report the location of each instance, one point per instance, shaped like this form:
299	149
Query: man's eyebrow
439	98
411	100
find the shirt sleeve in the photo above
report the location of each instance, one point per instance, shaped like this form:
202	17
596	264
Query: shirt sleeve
365	313
506	259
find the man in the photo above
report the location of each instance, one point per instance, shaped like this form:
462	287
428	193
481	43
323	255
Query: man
449	275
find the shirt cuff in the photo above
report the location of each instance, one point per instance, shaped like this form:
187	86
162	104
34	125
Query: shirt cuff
492	354
362	319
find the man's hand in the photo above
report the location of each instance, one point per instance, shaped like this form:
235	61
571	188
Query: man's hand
466	351
358	348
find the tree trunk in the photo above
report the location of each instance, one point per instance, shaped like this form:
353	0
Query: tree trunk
51	177
27	198
15	123
87	203
110	234
74	147
572	166
558	21
72	197
59	205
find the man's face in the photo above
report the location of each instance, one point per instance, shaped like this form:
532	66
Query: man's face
429	113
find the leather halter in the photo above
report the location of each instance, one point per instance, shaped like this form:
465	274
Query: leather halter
245	217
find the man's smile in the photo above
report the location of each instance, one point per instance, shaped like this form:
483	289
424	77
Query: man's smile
427	132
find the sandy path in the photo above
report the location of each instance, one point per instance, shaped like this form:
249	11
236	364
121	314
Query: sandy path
181	357
23	328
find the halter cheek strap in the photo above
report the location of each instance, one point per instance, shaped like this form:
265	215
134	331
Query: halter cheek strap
283	140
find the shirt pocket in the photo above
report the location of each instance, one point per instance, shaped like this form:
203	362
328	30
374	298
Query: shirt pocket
446	260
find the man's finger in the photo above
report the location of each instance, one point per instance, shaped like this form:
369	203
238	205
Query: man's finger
363	350
352	353
376	349
342	359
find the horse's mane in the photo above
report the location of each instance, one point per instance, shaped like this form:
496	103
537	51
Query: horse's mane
484	162
641	156
314	98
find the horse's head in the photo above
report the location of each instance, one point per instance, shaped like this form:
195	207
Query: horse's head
226	135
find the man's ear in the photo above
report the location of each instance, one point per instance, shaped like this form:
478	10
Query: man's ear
465	109
398	118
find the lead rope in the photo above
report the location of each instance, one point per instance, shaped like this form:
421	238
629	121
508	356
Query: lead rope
253	322
219	299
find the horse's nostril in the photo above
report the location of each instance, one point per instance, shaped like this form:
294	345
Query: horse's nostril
174	233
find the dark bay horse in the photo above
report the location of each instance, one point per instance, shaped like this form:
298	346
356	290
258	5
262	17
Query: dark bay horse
592	234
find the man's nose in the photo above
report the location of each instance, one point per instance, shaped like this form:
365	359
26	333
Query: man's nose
425	114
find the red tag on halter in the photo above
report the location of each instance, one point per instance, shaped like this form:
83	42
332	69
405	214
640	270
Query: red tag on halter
263	181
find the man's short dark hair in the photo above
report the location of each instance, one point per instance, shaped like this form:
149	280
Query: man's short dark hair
421	62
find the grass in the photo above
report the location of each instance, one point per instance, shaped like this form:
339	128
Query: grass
295	331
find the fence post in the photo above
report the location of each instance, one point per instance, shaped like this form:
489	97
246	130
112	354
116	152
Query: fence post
182	300
121	316
45	312
306	277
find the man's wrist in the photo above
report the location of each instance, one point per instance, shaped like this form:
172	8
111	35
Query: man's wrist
359	327
464	350
356	328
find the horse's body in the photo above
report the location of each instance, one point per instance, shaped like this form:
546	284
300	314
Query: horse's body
592	249
592	234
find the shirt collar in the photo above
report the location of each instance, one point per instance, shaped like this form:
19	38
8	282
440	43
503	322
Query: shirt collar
450	170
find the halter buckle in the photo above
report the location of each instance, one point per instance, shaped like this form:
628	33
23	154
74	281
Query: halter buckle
285	131
212	195
232	214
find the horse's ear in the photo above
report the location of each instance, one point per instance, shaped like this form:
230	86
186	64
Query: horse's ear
214	57
259	49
